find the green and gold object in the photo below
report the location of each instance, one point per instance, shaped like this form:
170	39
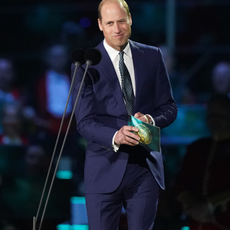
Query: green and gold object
149	134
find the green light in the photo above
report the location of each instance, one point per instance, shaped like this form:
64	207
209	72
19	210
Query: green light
77	200
185	228
64	175
80	227
64	227
72	227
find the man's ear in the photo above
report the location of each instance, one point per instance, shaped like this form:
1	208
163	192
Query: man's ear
130	19
99	24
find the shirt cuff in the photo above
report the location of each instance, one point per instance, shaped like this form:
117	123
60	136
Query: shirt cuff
114	145
152	120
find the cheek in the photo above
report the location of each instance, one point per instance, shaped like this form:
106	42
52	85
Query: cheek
107	32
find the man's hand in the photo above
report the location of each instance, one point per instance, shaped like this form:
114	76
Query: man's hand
142	117
126	136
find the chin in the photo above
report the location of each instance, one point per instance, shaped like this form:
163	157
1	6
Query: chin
122	44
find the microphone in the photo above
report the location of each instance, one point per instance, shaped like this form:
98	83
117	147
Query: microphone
93	56
78	58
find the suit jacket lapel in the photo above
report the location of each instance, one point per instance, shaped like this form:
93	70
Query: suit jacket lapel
137	56
109	72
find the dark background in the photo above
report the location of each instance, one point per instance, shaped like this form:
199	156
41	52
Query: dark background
201	37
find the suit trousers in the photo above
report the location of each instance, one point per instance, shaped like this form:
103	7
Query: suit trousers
138	194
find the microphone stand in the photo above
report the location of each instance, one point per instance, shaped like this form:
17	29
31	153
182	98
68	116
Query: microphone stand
59	157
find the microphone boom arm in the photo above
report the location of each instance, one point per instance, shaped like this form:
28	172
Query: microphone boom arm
52	158
93	57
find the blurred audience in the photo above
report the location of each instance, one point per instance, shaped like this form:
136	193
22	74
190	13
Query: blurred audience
221	78
8	93
36	162
203	183
21	193
11	93
12	125
181	92
52	88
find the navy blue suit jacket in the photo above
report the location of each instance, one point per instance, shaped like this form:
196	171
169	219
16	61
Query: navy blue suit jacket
101	111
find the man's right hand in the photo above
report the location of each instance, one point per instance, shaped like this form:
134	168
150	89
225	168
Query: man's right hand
127	136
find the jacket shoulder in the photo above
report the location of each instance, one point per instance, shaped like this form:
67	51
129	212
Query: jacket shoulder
143	46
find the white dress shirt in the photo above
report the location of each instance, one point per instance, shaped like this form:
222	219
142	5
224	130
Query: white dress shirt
114	56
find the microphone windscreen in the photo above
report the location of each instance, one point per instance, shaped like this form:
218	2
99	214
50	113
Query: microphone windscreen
93	55
77	55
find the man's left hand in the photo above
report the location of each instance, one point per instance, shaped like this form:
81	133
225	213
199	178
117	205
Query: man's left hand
142	117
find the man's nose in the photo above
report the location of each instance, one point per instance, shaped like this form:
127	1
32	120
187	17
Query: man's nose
116	28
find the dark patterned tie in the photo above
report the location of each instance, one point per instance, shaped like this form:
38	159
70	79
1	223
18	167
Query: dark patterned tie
126	84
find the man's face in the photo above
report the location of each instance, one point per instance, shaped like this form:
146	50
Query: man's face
115	25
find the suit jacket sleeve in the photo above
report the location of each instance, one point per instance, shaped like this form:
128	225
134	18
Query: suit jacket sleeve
89	116
165	110
153	88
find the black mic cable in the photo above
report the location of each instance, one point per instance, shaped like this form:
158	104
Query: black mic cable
78	58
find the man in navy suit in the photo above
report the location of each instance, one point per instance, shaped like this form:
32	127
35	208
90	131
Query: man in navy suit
118	171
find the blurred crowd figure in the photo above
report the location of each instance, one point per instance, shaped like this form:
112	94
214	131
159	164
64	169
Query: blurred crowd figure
29	125
221	78
181	91
52	88
14	106
203	183
21	192
12	125
50	94
8	92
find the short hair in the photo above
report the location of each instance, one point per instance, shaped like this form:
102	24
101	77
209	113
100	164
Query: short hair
122	3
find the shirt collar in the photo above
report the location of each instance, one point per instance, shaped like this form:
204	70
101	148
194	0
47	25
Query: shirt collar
113	52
